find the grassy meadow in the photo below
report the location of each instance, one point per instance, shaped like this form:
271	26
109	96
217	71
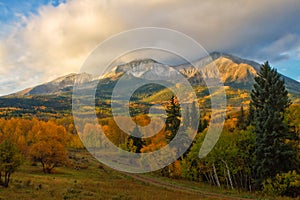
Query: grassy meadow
89	179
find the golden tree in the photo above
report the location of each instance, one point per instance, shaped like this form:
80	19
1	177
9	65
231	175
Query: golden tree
48	145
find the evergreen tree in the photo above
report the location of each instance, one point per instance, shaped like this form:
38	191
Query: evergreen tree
241	119
136	140
250	118
269	101
187	118
194	118
203	124
173	118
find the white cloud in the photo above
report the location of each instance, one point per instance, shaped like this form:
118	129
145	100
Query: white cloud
53	43
58	39
2	57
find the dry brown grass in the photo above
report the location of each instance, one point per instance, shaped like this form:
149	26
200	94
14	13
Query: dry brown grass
94	182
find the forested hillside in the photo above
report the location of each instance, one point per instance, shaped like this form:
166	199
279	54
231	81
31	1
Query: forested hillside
258	149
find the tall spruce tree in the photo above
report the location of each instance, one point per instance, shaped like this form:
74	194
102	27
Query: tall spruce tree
137	142
188	116
242	123
269	101
195	119
173	118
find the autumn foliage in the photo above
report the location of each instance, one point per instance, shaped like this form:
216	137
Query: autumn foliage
48	145
38	141
10	159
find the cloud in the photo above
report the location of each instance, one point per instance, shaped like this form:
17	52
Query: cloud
2	57
57	40
288	43
298	54
53	43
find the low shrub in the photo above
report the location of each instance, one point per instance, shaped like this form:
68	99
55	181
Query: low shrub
284	184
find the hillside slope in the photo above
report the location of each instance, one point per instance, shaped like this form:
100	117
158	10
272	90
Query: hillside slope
55	97
233	71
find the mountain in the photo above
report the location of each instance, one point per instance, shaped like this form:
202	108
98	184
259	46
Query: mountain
57	86
233	71
236	73
144	68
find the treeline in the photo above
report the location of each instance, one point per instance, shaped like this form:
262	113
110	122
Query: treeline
43	107
230	163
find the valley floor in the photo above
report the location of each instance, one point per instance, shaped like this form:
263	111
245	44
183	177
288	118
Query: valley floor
95	181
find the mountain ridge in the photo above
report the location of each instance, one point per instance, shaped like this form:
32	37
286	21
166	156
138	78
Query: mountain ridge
54	98
232	70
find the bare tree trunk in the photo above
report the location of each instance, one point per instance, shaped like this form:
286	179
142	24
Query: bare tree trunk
212	178
228	173
6	179
227	184
250	187
241	179
234	180
246	182
43	167
216	176
207	178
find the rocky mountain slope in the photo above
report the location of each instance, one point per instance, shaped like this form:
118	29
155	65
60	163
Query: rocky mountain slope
233	71
57	86
54	98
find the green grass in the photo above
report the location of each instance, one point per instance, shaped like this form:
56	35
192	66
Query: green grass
95	181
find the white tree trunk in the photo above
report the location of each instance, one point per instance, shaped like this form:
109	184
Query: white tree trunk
216	176
228	173
227	184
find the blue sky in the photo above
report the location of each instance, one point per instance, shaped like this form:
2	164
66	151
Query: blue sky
43	39
12	9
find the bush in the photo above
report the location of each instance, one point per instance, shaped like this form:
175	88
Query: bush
287	184
10	160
